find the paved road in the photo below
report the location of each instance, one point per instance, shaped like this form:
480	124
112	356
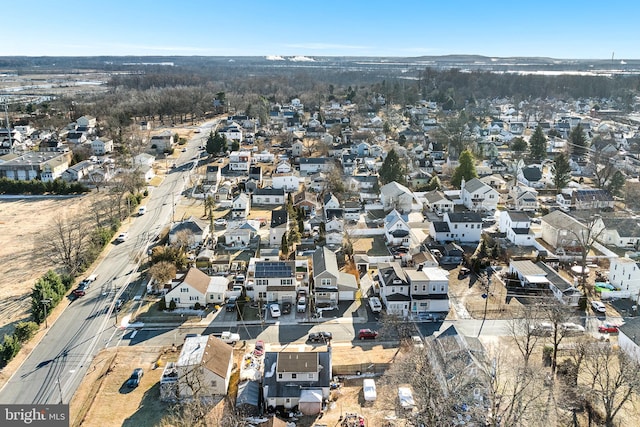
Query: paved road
54	369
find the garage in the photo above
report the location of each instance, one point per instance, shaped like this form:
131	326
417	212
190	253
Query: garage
310	402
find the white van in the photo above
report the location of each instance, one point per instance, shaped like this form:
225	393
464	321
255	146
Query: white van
142	210
375	304
369	389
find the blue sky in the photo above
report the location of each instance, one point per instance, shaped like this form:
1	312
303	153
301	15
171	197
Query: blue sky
559	29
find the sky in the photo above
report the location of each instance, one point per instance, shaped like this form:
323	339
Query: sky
563	29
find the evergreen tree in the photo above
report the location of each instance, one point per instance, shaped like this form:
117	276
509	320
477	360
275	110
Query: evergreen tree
519	145
538	145
434	184
392	169
561	171
466	169
578	141
616	183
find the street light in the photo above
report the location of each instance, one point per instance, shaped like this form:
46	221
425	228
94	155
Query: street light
44	302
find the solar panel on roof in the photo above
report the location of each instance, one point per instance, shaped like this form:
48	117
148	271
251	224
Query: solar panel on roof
273	269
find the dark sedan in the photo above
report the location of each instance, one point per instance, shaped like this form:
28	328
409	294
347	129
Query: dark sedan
320	336
134	379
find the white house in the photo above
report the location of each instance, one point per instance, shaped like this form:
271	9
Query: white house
397	196
516	225
191	291
190	229
101	147
539	275
478	196
217	290
436	201
311	165
240	206
144	159
459	227
624	274
279	226
394	289
274	281
429	289
288	181
239	161
238	237
204	367
268	196
629	338
396	229
621	232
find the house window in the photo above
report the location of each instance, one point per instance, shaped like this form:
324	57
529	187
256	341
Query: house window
285	282
415	288
294	376
441	288
424	288
310	376
214	383
325	282
262	295
279	376
184	289
455	226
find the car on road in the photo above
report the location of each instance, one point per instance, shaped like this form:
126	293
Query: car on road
258	350
184	150
542	329
367	334
142	210
320	336
122	237
598	306
220	222
134	379
286	307
608	328
274	309
119	304
231	304
80	291
569	329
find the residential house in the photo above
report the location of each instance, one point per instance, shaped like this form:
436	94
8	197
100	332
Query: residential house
100	147
629	338
268	196
217	289
459	362
213	175
428	287
539	276
190	231
232	132
621	232
284	167
495	181
564	200
311	165
325	276
596	199
516	226
297	148
563	232
274	281
297	379
240	206
48	145
264	157
330	203
240	237
436	201
394	289
531	176
624	274
361	182
352	210
396	229
288	181
190	291
459	227
397	196
163	141
86	122
240	161
143	159
279	226
307	202
255	174
204	367
74	137
523	198
78	171
478	196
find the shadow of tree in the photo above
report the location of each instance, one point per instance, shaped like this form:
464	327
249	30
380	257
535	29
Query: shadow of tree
150	411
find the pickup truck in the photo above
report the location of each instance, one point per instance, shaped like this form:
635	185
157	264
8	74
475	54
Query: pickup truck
229	337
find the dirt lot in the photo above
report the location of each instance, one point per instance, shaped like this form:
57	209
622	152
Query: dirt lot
21	263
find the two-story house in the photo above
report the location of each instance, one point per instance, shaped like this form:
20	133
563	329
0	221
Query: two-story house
297	379
268	196
478	196
394	289
240	206
459	227
592	199
517	227
429	290
279	226
274	281
287	181
240	161
523	198
436	201
100	147
191	232
396	229
624	274
311	165
162	142
325	277
190	291
397	196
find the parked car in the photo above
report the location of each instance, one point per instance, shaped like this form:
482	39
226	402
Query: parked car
231	304
375	304
220	222
230	337
301	307
142	210
369	389
598	306
80	291
542	329
134	379
367	334
119	304
320	336
464	272
259	348
274	309
122	237
569	328
608	328
286	307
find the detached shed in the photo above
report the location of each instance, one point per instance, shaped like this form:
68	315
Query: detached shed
248	399
310	401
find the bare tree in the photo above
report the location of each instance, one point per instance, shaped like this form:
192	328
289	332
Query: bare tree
521	329
611	378
586	236
556	313
67	243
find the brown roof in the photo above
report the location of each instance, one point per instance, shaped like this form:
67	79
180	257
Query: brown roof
197	280
217	356
297	362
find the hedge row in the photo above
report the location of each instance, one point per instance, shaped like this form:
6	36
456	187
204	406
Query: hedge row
36	187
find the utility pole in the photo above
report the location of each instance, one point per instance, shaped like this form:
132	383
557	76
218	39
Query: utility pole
60	388
6	116
486	284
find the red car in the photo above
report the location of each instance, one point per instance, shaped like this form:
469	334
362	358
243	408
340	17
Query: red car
608	328
367	334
